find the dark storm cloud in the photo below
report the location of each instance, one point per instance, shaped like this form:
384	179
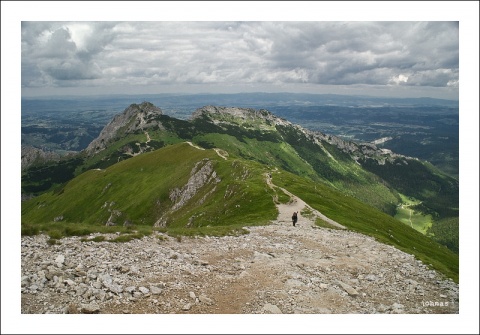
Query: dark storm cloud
240	53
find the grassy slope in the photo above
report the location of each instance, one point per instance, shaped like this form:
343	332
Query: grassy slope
139	187
438	192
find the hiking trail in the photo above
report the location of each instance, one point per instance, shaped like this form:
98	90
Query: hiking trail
297	205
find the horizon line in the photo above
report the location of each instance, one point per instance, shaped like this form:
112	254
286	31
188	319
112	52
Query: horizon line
237	93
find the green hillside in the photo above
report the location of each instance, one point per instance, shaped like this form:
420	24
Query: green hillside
229	196
140	189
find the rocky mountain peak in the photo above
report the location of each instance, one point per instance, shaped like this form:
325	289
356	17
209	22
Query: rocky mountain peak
133	118
216	111
238	115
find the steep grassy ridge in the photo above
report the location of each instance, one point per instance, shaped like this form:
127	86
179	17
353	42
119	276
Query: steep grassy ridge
288	148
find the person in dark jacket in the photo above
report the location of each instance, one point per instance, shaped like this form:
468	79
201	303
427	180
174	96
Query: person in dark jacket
294	218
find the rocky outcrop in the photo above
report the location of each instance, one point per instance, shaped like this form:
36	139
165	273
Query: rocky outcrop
135	117
201	175
114	216
32	155
240	116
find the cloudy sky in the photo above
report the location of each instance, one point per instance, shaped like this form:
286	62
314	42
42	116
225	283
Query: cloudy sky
397	58
377	57
150	57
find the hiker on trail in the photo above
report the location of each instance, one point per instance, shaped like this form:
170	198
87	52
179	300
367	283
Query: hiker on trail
294	218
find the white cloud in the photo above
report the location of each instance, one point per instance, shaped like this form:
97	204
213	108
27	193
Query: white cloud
80	33
399	79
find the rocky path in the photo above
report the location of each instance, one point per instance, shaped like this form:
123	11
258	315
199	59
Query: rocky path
296	204
274	269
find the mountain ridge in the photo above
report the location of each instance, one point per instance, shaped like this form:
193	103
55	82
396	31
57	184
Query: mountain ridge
248	115
259	135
